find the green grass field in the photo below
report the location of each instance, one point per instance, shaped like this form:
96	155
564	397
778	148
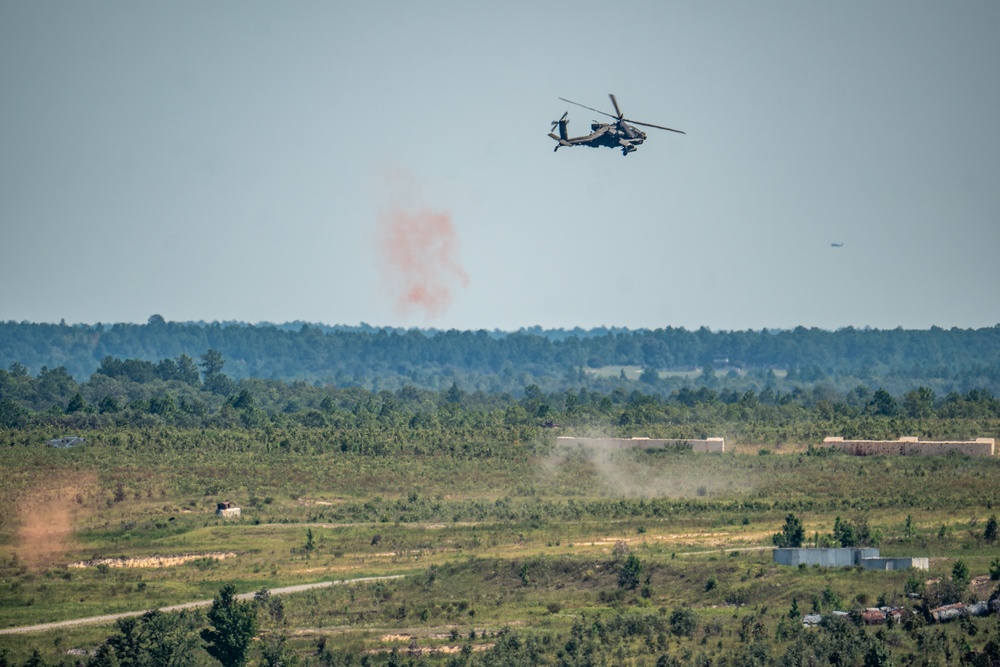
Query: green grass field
527	542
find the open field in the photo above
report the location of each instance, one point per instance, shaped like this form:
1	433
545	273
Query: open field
529	540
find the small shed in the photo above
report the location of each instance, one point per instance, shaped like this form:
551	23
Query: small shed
873	616
227	510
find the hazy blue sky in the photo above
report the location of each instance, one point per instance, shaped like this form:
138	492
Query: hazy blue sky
248	161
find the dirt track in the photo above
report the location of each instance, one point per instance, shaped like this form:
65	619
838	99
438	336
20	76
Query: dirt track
109	618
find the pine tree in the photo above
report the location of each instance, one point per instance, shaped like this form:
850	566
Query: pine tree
234	625
990	532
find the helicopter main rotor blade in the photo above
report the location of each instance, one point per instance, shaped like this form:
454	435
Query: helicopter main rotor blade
617	110
603	113
658	127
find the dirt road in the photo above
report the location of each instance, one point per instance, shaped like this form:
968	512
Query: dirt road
109	618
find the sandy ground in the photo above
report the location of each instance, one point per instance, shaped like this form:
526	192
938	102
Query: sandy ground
152	561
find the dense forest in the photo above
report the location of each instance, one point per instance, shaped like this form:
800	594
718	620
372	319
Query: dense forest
662	360
188	393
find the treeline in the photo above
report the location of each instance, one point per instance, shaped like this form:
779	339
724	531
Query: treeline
383	358
189	393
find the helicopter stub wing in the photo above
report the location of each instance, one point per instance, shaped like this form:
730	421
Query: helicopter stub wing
592	136
629	146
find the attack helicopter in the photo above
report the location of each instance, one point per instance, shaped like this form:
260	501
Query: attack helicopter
618	134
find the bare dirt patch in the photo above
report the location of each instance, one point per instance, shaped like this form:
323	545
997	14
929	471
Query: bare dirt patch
981	587
152	561
417	651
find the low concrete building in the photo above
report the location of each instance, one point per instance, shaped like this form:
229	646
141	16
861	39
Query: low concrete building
895	563
825	557
715	445
227	510
866	557
910	446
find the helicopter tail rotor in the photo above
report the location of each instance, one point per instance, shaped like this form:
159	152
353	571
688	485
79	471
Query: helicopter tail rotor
561	123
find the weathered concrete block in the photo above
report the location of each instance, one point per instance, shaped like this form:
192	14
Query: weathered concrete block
910	446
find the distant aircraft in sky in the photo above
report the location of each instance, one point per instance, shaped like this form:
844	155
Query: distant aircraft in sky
836	245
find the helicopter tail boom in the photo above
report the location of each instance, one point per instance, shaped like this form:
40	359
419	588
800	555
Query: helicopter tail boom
561	141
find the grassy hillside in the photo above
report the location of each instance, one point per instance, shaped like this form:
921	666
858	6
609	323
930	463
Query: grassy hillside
525	546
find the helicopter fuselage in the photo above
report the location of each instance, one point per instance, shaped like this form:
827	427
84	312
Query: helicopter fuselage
611	135
618	134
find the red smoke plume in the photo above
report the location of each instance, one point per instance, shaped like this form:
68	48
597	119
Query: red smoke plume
418	252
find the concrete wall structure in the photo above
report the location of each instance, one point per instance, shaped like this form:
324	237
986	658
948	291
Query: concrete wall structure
910	446
707	445
828	557
895	563
866	557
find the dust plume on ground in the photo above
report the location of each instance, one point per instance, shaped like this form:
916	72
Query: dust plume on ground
607	469
46	518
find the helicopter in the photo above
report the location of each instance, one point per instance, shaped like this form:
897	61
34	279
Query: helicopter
618	134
